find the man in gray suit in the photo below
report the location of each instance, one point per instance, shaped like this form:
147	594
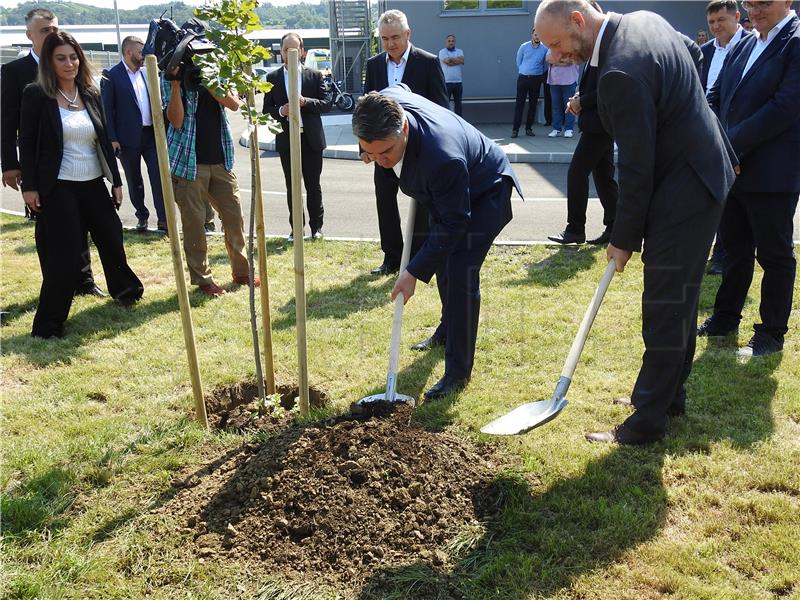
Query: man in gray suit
671	189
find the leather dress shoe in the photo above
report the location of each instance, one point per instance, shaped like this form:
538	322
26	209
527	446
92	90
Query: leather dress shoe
141	225
567	237
162	226
384	269
621	435
676	409
515	133
92	290
446	385
711	328
601	240
529	132
432	342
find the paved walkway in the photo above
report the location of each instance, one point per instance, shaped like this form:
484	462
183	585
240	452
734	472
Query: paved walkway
524	149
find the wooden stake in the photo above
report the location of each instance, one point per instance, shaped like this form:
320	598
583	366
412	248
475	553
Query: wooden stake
297	230
157	111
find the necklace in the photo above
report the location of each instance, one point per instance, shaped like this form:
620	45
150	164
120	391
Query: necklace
71	103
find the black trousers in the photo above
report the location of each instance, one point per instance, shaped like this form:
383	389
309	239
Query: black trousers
71	209
458	281
758	227
131	159
674	257
84	281
386	187
311	166
593	154
528	86
455	91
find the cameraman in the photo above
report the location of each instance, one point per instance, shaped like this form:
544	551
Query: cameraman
201	161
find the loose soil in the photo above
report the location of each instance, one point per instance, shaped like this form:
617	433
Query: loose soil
337	500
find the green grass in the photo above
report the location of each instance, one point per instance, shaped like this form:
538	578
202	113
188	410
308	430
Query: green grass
94	426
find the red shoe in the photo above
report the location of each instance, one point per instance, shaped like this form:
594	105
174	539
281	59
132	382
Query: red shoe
245	280
212	290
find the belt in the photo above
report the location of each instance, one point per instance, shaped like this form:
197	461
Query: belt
531	76
147	126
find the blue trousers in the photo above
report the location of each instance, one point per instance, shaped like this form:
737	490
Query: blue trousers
132	165
561	95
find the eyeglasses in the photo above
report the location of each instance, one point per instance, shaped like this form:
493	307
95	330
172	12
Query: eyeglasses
762	5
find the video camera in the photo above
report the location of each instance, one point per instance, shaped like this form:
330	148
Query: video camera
175	47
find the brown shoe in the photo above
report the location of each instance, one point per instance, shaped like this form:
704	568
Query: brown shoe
212	290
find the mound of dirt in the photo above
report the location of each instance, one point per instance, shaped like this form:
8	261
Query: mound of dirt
339	499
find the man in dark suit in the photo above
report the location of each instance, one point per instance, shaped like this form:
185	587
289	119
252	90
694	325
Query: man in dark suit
594	154
130	127
671	188
723	23
465	181
757	98
314	100
400	62
14	76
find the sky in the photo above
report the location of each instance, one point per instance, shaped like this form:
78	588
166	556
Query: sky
125	4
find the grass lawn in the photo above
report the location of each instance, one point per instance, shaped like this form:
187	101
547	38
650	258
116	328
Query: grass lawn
95	426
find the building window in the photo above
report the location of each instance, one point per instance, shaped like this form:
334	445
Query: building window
481	5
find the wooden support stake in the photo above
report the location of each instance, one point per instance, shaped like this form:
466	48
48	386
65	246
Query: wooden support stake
157	111
297	230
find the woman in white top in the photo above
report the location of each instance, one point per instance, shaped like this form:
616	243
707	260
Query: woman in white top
64	155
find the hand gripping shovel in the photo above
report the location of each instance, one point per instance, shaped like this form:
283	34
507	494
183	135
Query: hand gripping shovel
530	415
391	394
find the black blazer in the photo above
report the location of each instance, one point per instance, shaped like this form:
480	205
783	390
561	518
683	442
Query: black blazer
123	115
708	50
423	75
589	118
761	111
318	101
650	101
14	76
41	140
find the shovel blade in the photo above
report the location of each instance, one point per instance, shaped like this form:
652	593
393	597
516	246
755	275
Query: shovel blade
398	398
526	417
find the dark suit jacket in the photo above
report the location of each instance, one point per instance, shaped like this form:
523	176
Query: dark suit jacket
123	116
14	76
318	101
41	140
453	170
651	102
589	118
423	75
761	111
708	54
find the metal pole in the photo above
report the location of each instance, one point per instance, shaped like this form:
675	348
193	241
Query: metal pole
174	239
297	230
119	37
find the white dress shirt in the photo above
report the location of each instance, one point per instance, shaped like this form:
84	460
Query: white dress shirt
35	56
140	91
596	50
761	44
720	52
394	72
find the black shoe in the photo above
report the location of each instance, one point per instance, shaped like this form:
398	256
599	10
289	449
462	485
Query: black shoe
715	269
710	328
622	435
129	300
446	385
567	237
515	133
162	226
761	344
384	269
210	227
141	225
317	235
432	342
529	131
91	290
603	239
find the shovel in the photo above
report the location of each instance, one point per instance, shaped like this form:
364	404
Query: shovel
391	394
530	415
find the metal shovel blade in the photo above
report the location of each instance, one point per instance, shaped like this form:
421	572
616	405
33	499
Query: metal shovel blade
383	398
526	417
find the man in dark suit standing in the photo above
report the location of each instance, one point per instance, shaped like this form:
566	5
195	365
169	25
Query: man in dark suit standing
314	100
723	23
130	127
400	62
671	188
465	181
14	76
757	98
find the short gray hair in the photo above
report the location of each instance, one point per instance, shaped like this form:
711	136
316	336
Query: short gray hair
377	117
562	9
392	17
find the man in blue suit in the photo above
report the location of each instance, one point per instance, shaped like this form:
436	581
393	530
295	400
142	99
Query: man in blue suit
465	181
757	99
130	128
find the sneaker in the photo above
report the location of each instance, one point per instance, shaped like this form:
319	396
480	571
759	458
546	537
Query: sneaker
245	280
568	133
317	235
210	227
141	225
290	238
212	290
761	344
554	133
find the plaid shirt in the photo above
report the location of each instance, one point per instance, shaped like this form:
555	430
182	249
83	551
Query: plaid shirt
181	142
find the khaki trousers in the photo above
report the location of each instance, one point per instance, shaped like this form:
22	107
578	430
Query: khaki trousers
221	189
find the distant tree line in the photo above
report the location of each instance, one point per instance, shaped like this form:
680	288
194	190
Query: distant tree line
296	16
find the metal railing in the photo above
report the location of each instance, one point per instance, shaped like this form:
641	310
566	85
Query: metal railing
101	59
